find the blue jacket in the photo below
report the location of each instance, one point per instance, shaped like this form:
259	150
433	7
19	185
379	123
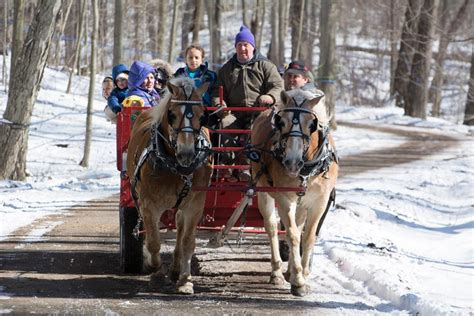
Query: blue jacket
117	95
200	76
138	72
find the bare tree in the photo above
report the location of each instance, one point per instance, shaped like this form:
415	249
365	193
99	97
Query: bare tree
446	36
90	101
256	24
415	103
469	111
174	27
274	50
118	32
162	28
77	54
284	11
5	44
327	59
186	24
198	14
406	51
213	8
24	90
245	17
18	24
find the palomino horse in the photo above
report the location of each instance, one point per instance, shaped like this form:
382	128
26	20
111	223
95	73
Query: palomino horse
169	151
296	151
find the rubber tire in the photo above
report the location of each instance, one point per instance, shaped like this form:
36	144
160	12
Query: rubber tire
131	249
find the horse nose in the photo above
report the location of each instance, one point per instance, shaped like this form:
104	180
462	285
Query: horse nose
300	164
185	158
292	165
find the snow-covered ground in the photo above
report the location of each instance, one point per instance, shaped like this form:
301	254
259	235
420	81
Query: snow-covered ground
400	237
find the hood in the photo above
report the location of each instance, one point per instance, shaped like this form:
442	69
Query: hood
138	73
118	69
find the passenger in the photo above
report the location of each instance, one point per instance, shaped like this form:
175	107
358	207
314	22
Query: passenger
120	76
248	79
298	76
198	70
141	82
162	75
107	86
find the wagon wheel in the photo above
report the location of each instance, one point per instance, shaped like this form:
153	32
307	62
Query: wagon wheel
131	248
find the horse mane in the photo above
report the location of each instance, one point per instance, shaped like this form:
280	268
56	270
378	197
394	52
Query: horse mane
158	112
319	109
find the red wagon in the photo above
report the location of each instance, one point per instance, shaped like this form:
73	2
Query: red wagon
229	206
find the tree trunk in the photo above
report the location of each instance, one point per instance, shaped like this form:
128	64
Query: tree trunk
416	99
90	101
283	27
77	55
174	27
393	45
118	32
5	45
469	111
24	90
300	29
17	36
256	22
245	18
405	53
186	20
274	50
327	60
214	19
445	38
64	12
162	28
197	20
295	10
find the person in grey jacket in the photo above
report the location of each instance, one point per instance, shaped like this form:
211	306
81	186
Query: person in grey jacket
298	76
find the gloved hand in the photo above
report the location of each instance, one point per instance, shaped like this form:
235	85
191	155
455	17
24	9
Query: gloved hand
265	100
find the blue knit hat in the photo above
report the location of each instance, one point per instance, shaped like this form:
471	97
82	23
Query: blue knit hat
245	36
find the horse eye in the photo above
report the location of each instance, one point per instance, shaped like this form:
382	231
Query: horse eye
171	118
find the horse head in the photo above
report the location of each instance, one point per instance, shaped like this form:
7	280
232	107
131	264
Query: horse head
182	118
296	122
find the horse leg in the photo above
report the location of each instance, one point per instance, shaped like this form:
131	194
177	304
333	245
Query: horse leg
152	239
293	234
177	254
266	205
190	219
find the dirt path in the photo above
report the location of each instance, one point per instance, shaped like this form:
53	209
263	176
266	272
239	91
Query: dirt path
74	267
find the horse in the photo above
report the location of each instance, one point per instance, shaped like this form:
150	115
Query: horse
295	149
168	153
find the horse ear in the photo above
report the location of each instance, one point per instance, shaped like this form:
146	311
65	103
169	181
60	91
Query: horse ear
316	100
203	88
172	88
284	97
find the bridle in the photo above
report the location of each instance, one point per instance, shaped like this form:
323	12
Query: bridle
293	132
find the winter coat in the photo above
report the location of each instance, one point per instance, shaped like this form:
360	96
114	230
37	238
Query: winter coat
114	102
200	76
244	83
138	72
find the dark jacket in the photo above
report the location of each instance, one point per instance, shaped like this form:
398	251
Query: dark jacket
114	102
138	72
200	76
244	83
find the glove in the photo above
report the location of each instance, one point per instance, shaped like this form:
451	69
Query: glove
111	116
265	100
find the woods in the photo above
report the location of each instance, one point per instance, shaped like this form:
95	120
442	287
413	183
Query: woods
414	53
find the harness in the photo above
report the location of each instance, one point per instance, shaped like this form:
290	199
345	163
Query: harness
156	154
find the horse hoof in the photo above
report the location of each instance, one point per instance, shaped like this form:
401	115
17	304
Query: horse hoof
277	280
299	290
186	288
174	276
160	280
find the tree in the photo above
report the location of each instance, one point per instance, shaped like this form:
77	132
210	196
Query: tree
186	24
327	59
213	8
77	55
406	51
469	111
24	90
162	28
5	44
118	32
416	99
18	24
197	19
174	27
90	101
446	36
258	17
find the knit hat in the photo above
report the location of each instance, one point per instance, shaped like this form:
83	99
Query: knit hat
297	67
245	36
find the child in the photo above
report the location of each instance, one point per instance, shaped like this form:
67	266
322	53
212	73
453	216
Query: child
120	76
197	70
107	86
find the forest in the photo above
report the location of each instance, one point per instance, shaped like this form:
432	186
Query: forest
415	54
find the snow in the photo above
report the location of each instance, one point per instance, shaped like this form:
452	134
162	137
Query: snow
400	238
